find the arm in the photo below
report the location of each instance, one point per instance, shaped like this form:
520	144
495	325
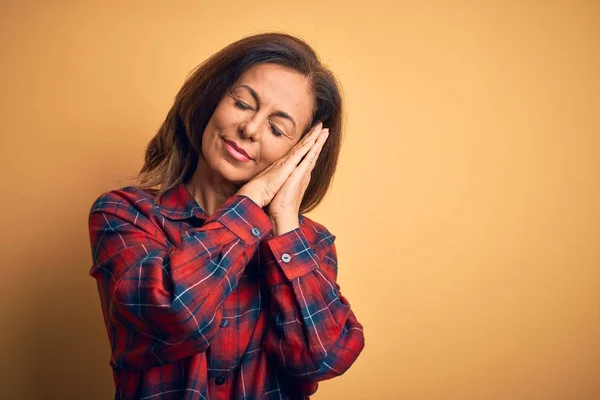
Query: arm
314	334
162	303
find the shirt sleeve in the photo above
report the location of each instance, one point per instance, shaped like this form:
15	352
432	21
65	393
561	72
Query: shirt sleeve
314	333
162	302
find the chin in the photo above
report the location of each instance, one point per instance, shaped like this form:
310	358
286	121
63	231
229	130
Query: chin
231	173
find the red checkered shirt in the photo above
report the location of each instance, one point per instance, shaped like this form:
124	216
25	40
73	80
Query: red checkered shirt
216	307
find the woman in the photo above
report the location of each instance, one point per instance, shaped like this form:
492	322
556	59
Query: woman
214	285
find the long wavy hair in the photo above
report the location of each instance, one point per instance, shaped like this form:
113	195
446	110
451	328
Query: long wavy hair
171	156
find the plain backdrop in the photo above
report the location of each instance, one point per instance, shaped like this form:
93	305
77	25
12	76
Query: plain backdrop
466	203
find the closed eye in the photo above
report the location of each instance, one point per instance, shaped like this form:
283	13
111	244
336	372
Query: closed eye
244	106
275	131
241	105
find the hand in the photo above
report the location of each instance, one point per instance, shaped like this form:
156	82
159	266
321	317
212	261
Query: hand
285	206
264	186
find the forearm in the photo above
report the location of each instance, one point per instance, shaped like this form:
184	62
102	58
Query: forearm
314	334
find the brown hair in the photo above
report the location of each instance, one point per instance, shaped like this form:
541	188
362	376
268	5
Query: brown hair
172	154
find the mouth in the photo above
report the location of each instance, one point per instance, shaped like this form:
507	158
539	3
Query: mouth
236	152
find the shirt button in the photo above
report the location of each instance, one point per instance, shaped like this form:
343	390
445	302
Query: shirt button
286	257
224	323
219	380
255	231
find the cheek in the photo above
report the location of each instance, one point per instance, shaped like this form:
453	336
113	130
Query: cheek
209	136
219	117
225	115
273	150
217	123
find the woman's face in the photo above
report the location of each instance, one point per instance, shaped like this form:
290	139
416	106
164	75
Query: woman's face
264	113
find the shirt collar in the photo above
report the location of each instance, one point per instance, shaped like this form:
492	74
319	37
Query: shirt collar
177	203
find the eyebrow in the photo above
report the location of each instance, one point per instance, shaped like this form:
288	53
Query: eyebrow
257	99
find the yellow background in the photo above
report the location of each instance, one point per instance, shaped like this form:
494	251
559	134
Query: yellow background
466	204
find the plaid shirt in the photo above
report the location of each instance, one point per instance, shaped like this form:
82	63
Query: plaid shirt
200	307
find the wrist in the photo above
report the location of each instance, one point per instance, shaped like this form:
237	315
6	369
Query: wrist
247	193
285	225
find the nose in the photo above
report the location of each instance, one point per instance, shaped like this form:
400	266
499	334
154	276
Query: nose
252	127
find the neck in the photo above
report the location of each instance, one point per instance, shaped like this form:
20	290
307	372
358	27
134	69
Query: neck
208	188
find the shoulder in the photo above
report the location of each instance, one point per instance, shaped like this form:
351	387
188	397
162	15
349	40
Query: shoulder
316	232
124	201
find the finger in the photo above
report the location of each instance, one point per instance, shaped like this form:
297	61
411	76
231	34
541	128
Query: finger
314	132
315	148
310	160
310	138
297	154
315	136
318	145
286	165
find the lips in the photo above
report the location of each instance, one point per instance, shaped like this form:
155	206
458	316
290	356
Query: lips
238	148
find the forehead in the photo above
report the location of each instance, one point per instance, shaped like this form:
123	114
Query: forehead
280	88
